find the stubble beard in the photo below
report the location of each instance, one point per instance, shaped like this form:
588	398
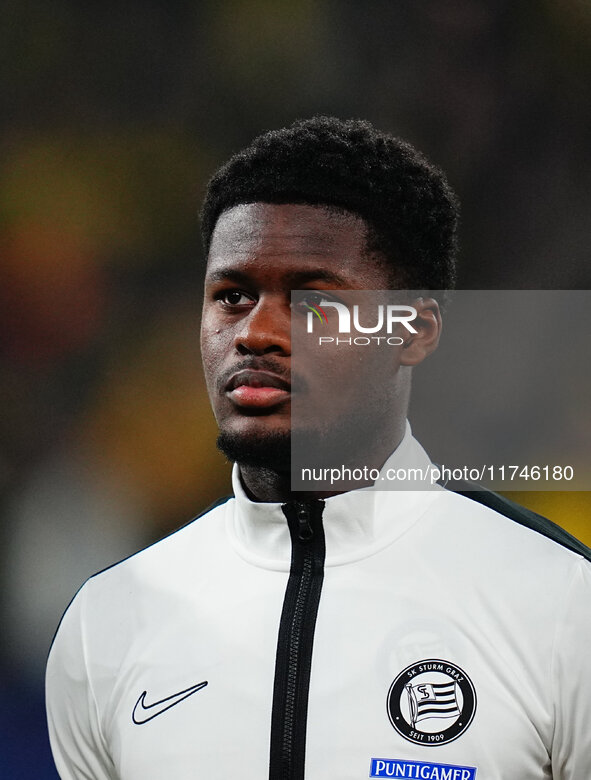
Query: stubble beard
268	450
309	447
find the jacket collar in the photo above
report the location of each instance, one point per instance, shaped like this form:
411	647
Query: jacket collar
357	524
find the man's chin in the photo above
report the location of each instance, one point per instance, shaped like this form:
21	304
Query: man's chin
276	449
270	450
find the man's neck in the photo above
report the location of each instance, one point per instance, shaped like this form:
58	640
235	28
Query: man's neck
265	484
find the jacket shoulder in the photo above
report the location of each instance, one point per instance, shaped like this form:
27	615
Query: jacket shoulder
171	538
520	515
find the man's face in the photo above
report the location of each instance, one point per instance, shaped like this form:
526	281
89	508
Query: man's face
259	253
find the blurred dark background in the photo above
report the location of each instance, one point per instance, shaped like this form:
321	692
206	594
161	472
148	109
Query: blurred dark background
113	116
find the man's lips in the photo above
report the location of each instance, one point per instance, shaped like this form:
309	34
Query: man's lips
253	388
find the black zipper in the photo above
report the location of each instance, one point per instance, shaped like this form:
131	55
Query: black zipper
296	638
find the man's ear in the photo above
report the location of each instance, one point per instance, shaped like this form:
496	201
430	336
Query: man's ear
417	346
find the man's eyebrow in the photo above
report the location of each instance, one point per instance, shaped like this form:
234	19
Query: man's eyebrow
298	278
225	274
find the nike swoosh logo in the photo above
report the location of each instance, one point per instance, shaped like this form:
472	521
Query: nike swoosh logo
158	707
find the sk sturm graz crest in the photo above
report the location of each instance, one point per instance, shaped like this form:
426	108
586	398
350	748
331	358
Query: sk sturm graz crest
431	702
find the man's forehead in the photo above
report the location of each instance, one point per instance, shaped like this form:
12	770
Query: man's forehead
287	229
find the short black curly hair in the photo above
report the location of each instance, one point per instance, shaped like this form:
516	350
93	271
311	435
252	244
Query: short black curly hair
410	210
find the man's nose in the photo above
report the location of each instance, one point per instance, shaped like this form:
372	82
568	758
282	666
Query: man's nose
266	329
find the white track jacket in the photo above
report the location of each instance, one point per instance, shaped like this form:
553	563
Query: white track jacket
375	634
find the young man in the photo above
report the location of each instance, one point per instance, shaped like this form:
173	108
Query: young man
415	634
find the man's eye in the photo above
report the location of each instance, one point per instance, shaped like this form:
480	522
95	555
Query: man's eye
313	299
235	298
306	300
